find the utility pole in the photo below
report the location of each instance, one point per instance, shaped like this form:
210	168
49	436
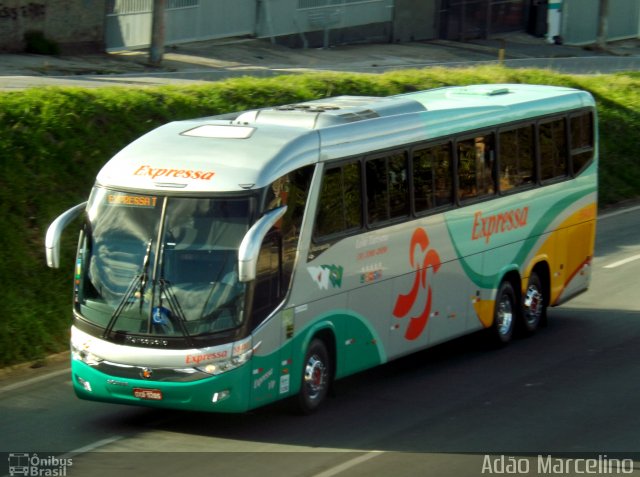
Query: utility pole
603	24
157	32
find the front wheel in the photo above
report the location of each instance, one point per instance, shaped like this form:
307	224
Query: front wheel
316	377
504	315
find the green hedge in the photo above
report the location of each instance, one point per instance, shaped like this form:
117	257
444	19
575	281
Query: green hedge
53	141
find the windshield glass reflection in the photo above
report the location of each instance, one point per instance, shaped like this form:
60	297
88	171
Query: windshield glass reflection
171	273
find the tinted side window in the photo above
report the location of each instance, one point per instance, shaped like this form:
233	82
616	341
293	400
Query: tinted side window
476	167
277	255
377	191
398	180
553	150
582	141
387	188
339	207
290	190
432	177
268	289
352	195
517	159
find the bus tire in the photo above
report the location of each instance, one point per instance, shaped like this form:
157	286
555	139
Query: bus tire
316	377
534	305
504	315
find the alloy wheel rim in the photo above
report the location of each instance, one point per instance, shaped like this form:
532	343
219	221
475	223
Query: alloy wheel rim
315	377
505	315
533	304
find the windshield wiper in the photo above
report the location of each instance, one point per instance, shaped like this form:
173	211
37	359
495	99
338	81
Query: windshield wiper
138	284
222	268
145	274
176	309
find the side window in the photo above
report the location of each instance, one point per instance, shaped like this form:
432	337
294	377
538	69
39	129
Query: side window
294	188
267	291
340	203
476	167
277	255
553	150
387	188
432	177
582	141
517	158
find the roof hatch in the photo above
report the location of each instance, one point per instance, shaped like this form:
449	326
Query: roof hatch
479	90
330	112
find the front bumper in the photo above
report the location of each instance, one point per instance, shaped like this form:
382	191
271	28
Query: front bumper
227	392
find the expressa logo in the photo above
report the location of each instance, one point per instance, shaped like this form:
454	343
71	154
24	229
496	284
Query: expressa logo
149	171
485	227
421	258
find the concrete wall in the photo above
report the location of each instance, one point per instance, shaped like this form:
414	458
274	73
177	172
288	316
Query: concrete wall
297	23
580	20
74	25
317	23
415	20
128	23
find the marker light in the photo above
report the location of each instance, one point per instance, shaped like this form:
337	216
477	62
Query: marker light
220	396
84	383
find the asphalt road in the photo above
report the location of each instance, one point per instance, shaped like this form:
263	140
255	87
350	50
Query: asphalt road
461	409
568	65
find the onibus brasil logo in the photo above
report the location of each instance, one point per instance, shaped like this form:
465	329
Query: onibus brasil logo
421	258
24	463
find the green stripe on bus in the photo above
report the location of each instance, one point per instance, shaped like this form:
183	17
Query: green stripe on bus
490	281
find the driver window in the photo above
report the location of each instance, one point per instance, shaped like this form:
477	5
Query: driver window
267	286
277	256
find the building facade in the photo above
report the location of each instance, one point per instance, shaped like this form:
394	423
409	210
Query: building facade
79	25
579	20
71	25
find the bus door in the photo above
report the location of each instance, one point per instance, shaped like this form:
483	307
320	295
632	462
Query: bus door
367	332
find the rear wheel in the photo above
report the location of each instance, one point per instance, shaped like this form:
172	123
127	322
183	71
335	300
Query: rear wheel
504	314
316	377
534	306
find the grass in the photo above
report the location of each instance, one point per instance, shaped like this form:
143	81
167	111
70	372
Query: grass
53	141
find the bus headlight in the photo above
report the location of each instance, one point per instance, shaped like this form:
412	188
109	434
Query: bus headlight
242	352
85	356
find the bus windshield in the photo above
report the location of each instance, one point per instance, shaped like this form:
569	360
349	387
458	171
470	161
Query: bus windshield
162	266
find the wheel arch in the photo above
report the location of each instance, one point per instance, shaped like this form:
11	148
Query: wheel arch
506	309
322	333
513	277
512	274
543	270
328	337
325	331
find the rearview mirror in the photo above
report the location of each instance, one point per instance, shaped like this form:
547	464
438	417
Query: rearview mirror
52	240
250	246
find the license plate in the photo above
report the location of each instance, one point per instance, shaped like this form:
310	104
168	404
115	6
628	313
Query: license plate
150	394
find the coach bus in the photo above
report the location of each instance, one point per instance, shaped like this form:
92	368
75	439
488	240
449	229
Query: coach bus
228	262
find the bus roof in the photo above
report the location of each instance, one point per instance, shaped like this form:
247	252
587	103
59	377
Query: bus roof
253	148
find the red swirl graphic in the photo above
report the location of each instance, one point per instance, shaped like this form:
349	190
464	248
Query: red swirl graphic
404	303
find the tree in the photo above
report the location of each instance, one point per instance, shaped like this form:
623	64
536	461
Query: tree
603	24
157	32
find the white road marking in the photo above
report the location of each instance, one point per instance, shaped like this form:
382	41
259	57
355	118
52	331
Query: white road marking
37	379
93	446
619	263
608	215
338	469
